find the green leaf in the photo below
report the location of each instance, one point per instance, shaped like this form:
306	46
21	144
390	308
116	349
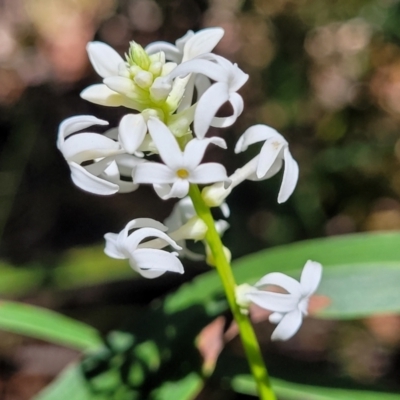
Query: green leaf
69	385
183	389
361	274
294	391
47	325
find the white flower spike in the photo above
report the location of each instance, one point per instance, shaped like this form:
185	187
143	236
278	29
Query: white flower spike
181	168
288	308
148	262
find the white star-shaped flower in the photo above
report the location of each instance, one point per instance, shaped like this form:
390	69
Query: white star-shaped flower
107	161
288	308
180	168
148	262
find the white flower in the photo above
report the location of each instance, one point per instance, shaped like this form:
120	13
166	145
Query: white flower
228	77
188	46
288	308
181	168
108	163
148	262
273	153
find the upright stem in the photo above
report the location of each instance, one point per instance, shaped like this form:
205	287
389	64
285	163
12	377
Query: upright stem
249	340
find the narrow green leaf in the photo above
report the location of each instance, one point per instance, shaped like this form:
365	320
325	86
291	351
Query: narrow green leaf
47	325
361	274
294	391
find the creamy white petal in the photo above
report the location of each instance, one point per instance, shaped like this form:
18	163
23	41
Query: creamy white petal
88	146
179	189
208	106
310	277
282	280
290	177
112	248
288	326
201	42
195	149
155	260
132	131
144	223
237	105
104	96
270	151
105	59
172	53
202	83
166	144
254	134
162	190
153	172
277	302
121	85
208	173
133	240
90	183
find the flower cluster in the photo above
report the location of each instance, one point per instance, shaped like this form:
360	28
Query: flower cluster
173	94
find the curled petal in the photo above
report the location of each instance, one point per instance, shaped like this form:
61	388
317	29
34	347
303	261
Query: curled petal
288	326
310	277
203	41
162	190
276	302
75	124
237	105
254	134
268	156
284	281
208	106
172	53
112	248
179	189
290	177
105	59
90	183
151	262
195	149
132	241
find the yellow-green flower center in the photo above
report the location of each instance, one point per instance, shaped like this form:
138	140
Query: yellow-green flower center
182	173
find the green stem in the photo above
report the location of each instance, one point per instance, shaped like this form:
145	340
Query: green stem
249	339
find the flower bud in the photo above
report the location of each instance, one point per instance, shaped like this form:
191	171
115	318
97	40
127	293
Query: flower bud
144	79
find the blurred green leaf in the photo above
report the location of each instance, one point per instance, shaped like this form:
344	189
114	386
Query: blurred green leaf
361	274
295	391
47	325
184	389
69	385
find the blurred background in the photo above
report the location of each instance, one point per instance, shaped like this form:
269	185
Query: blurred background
325	74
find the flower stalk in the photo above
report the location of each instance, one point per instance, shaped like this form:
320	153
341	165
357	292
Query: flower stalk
246	331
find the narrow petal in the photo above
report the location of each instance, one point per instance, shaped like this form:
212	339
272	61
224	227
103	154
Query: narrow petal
203	41
162	190
237	105
90	183
104	96
75	124
310	277
179	189
166	144
111	248
144	223
132	131
121	85
270	151
282	280
290	177
208	173
153	172
88	146
288	326
276	302
105	59
202	83
208	106
195	149
155	260
133	240
254	134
